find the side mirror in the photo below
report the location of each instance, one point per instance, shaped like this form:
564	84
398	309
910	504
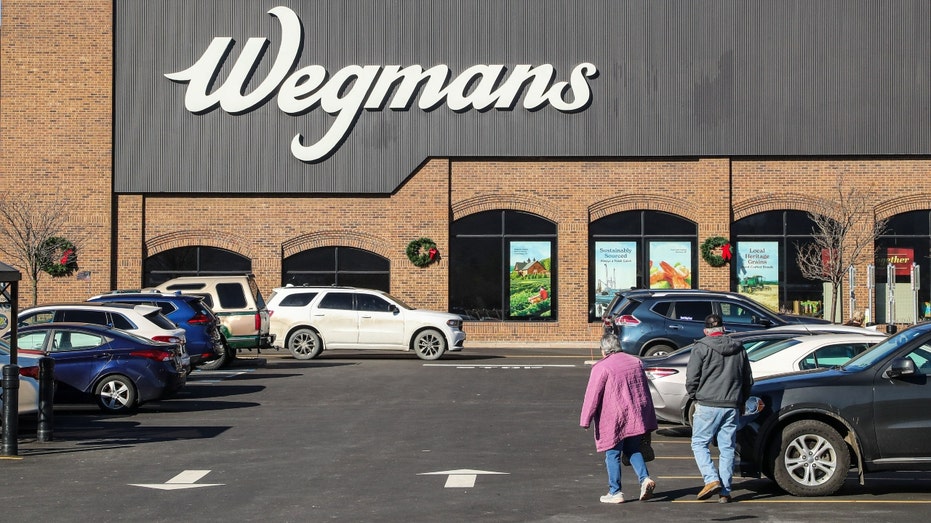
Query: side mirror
762	321
394	309
900	367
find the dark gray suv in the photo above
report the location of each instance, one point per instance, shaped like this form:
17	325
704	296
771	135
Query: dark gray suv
657	322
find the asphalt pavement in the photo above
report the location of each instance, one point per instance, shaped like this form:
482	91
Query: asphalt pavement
482	435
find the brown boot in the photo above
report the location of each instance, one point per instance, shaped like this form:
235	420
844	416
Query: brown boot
709	490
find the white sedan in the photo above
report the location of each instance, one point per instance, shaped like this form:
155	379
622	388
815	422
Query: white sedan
809	352
28	393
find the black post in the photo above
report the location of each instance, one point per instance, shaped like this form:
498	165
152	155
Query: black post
10	412
46	397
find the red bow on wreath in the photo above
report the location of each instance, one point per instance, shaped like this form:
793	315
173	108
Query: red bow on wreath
66	256
433	252
726	251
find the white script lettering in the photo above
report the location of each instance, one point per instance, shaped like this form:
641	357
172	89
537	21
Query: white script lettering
348	91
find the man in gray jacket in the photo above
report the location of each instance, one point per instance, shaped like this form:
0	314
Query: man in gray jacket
719	380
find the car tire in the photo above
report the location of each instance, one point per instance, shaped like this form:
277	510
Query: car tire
225	356
429	344
690	413
658	350
305	344
115	394
810	459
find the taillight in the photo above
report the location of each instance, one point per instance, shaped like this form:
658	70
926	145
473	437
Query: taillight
655	373
167	339
200	317
29	372
152	354
258	321
626	320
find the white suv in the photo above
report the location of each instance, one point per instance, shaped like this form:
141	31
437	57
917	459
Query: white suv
307	320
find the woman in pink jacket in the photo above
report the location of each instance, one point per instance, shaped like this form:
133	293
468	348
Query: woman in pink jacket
618	400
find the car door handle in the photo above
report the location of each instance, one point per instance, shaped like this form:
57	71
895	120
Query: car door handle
675	327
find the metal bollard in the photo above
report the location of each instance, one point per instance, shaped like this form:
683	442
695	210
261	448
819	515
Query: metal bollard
46	399
10	446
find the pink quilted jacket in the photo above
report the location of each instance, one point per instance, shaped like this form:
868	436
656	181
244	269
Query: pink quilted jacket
618	400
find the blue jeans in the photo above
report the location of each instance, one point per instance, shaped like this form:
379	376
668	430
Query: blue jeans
708	423
631	447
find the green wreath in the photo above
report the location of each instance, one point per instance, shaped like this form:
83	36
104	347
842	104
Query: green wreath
708	247
422	252
58	257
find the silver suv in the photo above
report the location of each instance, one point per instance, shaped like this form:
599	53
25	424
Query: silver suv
307	320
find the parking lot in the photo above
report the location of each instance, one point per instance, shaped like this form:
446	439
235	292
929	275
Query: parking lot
487	434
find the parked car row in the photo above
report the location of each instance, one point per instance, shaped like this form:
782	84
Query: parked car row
771	351
201	322
116	369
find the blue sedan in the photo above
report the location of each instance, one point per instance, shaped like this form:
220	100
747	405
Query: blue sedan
116	369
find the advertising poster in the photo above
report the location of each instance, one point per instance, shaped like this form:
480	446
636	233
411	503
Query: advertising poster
530	275
758	272
670	265
615	270
902	258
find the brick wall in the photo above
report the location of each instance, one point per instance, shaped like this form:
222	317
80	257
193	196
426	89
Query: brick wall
55	143
55	126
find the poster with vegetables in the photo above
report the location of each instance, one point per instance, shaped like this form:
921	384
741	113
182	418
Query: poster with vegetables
670	265
531	291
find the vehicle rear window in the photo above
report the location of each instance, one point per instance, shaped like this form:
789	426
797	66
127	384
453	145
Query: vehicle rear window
663	308
95	317
231	296
337	300
159	319
166	306
769	350
691	310
256	294
122	322
300	299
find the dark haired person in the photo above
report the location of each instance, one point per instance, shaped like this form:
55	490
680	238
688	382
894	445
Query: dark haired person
718	378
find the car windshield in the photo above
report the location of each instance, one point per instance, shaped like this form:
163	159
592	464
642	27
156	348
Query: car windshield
879	351
758	353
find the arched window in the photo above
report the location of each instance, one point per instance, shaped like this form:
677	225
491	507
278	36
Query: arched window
765	265
907	240
198	260
502	266
337	266
639	249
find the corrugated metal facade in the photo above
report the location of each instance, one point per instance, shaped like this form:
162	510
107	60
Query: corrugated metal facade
677	78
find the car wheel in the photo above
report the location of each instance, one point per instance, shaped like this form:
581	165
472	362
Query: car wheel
811	459
304	344
116	394
219	362
690	414
429	344
658	350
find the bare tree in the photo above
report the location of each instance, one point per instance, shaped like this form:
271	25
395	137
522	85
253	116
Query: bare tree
843	236
25	229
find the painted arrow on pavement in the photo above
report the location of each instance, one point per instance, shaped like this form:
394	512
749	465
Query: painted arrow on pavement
462	478
187	479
